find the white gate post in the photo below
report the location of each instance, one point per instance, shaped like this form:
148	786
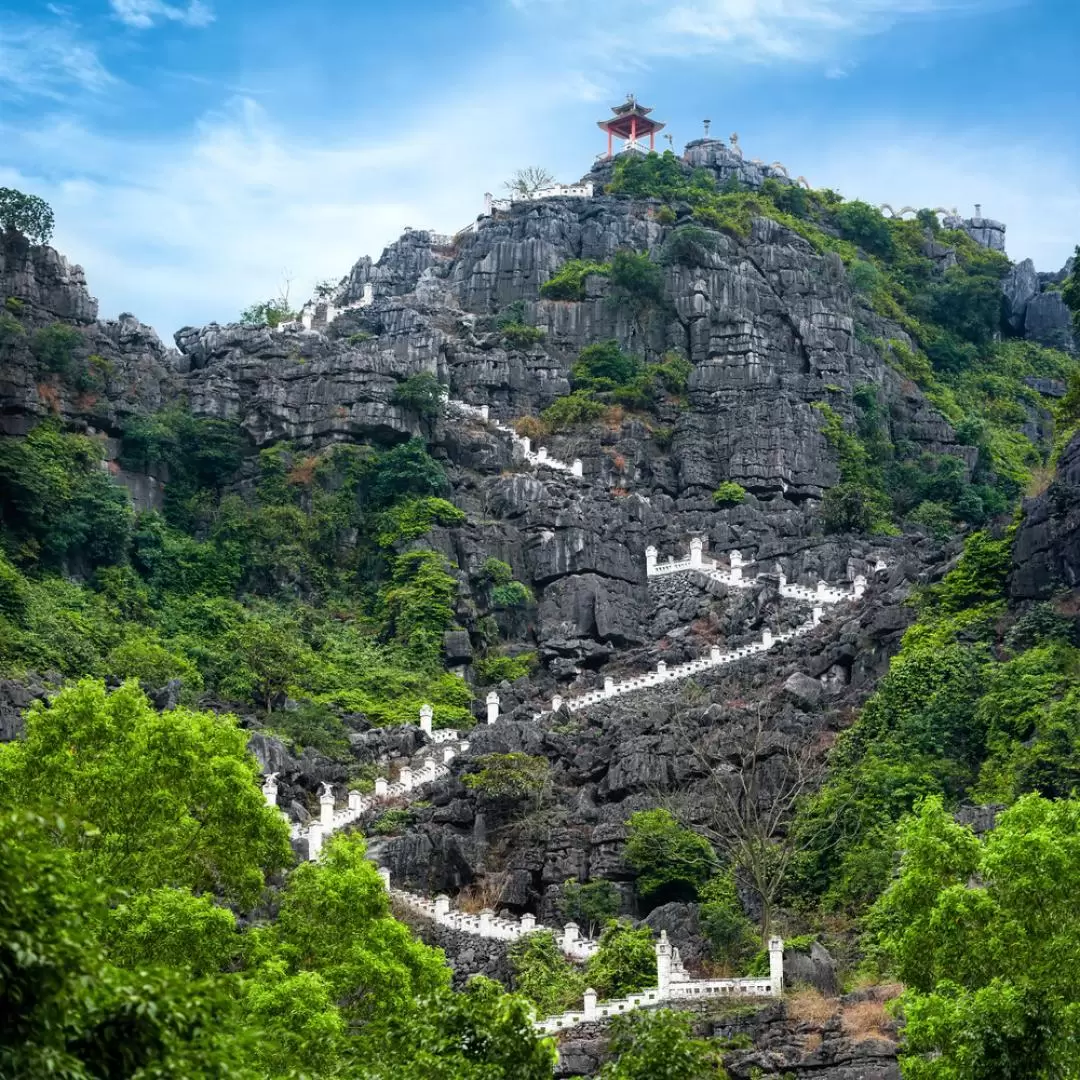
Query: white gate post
695	551
326	808
650	561
663	966
776	965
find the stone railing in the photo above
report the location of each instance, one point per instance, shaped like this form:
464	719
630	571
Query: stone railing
673	982
489	924
538	458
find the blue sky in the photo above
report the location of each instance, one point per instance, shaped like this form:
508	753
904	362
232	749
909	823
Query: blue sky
198	152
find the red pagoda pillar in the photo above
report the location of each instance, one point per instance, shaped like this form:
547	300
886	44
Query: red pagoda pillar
628	121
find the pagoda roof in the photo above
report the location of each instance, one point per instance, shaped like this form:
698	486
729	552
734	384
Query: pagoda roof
630	105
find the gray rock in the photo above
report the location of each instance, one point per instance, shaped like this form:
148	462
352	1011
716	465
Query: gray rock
803	690
1020	285
1049	322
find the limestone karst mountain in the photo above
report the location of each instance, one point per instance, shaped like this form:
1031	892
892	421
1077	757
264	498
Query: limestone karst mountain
451	484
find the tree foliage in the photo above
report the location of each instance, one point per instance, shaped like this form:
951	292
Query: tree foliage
658	1045
28	214
671	861
982	935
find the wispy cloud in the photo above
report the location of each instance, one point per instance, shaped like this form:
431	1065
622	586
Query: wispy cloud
190	228
37	60
758	31
143	14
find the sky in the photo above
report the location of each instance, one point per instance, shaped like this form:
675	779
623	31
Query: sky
200	154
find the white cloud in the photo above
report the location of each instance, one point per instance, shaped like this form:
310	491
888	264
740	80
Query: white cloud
759	31
48	61
188	230
142	14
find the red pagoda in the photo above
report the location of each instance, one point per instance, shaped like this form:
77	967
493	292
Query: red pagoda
630	122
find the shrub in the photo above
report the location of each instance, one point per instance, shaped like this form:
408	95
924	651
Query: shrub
666	216
312	725
512	596
10	329
54	347
604	366
142	656
359	337
271	313
422	394
636	281
418	603
729	494
863	277
542	974
568	282
412	518
624	962
672	863
511	777
14	305
566	412
519	336
530	427
936	517
732	935
496	572
657	1044
496	668
690	245
864	225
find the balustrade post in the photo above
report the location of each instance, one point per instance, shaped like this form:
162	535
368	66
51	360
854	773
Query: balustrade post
556	703
485	412
767	638
486	929
426	715
822	589
663	966
528	922
650	561
442	906
355	800
661	669
776	966
714	654
736	565
492	707
569	936
609	686
314	840
270	789
859	587
541	455
384	873
526	444
405	777
590	1004
695	552
326	808
448	755
380	787
818	612
576	467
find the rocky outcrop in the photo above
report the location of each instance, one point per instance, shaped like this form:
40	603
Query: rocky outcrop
1046	555
1049	322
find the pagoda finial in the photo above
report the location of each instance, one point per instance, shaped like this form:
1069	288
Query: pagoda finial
707	123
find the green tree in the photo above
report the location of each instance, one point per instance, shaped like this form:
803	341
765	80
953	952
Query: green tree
671	861
168	799
723	921
1070	291
29	214
269	657
590	904
67	1011
658	1045
544	975
272	313
624	962
422	394
513	777
983	935
418	603
864	225
604	366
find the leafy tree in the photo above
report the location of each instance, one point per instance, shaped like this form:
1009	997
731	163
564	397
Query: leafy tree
408	469
544	975
590	904
482	1033
422	394
624	962
174	928
671	861
68	1011
604	366
168	799
56	499
864	225
637	282
269	658
54	347
658	1045
982	936
28	214
528	181
1070	291
418	604
723	921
